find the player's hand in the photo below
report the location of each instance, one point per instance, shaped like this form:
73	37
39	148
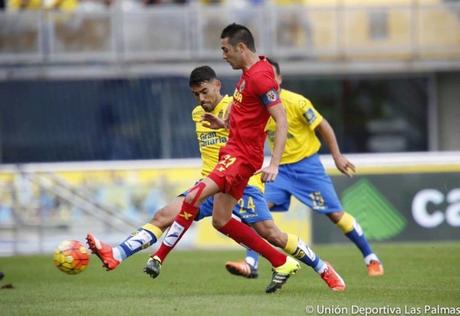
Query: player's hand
344	166
211	121
268	174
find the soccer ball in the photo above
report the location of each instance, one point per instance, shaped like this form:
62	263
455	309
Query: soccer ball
71	257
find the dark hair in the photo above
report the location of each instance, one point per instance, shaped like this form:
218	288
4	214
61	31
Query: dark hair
237	33
201	74
276	65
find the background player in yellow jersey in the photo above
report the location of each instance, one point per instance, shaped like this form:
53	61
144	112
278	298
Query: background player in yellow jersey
252	208
302	175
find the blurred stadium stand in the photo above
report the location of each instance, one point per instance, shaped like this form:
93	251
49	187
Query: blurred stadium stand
404	30
97	80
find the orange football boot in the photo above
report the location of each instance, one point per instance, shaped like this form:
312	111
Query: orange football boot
103	251
241	268
333	279
375	268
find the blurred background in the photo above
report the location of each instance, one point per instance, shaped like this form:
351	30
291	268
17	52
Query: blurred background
95	110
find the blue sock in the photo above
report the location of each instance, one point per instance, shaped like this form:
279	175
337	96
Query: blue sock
252	258
358	238
315	262
354	232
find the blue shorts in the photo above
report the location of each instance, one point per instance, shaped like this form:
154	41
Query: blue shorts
308	182
251	208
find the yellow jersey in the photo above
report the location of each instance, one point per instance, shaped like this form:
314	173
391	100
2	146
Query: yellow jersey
210	140
302	120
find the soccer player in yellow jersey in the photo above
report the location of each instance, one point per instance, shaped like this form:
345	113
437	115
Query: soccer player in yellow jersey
252	208
302	175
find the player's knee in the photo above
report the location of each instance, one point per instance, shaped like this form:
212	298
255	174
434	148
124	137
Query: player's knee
218	223
335	216
194	196
190	197
162	219
274	236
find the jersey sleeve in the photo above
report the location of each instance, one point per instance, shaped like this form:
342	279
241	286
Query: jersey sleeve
309	114
266	89
197	113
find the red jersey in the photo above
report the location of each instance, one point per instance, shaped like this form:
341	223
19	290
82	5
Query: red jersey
254	93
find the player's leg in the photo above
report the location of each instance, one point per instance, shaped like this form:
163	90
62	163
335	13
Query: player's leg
278	200
351	228
313	187
154	265
144	237
252	208
247	210
283	266
182	222
246	268
295	246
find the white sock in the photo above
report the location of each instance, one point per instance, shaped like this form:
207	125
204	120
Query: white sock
371	257
322	269
251	262
116	254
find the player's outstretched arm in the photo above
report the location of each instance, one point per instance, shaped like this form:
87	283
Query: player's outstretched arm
328	135
279	115
211	121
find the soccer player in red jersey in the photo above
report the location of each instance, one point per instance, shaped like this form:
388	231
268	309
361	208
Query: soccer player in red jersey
255	99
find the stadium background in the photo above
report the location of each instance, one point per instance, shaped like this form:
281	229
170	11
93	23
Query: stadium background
97	81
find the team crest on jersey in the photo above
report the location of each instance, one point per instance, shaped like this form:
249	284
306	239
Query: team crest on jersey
242	86
310	116
220	114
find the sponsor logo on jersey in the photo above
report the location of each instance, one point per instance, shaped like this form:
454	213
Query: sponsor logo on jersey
210	139
238	96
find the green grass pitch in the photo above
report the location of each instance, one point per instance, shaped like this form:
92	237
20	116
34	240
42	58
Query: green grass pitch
196	283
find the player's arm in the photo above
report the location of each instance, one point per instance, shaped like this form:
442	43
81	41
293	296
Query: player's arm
279	115
227	116
328	135
211	121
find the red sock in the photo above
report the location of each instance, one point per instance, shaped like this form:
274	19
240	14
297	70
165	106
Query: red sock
181	224
243	234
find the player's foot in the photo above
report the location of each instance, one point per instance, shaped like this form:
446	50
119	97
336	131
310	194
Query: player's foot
375	268
281	274
333	279
153	267
103	251
241	268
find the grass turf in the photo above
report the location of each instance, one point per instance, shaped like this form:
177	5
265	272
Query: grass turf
195	283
